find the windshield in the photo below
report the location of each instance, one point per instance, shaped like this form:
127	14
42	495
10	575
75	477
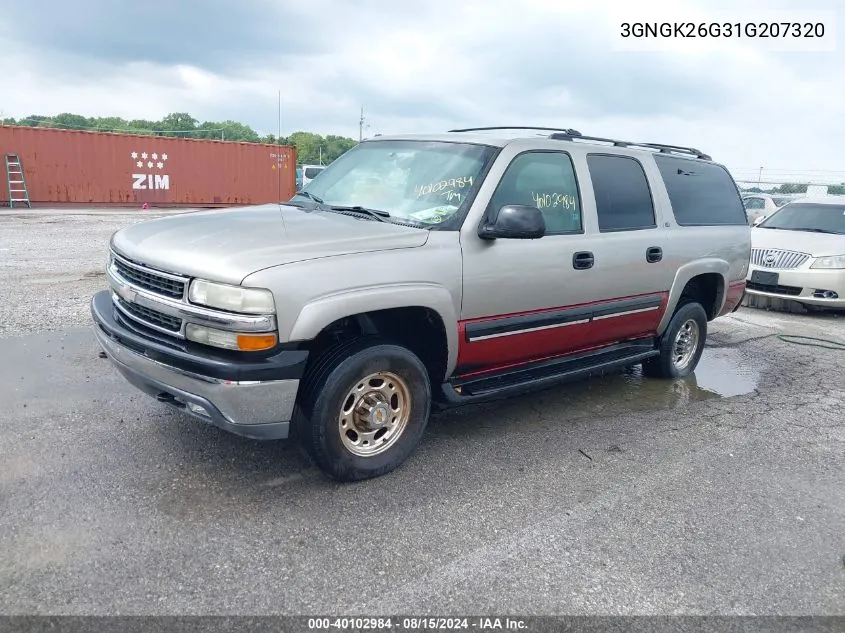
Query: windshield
780	201
827	218
423	182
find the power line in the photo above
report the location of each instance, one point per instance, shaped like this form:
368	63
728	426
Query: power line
792	171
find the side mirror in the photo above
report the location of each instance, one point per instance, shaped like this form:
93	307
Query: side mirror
515	221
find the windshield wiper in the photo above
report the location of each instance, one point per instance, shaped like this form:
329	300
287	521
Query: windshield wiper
812	230
307	194
381	216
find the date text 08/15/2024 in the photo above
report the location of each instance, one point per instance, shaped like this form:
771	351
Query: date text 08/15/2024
416	624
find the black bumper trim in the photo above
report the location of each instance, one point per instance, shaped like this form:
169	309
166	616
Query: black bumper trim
281	364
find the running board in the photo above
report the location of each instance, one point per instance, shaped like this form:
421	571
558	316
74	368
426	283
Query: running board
546	373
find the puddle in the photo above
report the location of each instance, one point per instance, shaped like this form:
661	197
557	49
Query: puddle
721	373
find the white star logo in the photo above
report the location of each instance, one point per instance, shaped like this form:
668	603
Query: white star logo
150	164
160	165
164	157
140	163
144	155
134	155
154	156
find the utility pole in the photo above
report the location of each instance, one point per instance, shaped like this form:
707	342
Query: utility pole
361	126
759	177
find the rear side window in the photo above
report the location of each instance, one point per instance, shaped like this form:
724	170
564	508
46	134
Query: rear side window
623	198
702	194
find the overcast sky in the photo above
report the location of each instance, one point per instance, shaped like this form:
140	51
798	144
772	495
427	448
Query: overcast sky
429	65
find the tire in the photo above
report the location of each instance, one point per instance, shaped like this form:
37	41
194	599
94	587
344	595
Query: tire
693	319
330	401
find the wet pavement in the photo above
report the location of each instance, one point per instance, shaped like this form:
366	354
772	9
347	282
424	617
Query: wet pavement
720	494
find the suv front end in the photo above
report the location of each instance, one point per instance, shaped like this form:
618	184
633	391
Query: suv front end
207	348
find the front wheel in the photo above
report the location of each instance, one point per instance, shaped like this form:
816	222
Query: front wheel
363	409
681	345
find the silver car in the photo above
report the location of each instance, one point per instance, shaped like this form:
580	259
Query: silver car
426	271
798	253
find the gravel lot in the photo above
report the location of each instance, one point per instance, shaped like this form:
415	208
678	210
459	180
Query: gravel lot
722	494
51	263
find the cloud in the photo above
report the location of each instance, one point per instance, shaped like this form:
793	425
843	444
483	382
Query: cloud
223	35
433	66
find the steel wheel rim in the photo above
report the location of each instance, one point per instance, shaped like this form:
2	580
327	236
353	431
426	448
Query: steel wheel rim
374	414
686	344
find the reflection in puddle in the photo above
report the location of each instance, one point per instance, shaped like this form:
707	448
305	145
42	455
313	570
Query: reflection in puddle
721	373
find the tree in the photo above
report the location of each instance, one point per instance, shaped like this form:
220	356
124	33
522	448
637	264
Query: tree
71	121
310	147
178	124
791	187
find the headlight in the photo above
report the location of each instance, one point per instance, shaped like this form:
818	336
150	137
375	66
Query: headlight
230	340
231	298
834	261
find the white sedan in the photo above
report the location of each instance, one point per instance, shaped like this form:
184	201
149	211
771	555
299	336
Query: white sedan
759	206
798	253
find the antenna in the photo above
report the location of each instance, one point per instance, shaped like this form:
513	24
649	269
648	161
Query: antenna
279	145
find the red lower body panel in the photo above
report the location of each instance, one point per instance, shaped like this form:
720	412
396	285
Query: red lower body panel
498	342
735	291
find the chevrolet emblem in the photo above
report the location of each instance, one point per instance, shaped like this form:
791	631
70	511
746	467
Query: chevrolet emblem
126	293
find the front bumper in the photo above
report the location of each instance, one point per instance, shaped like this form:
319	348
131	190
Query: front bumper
801	284
253	398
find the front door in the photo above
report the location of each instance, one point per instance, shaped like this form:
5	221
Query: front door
513	289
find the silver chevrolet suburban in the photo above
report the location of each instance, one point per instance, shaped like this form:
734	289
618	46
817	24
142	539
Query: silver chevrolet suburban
421	272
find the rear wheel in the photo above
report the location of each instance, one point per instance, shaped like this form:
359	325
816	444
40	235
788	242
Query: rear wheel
363	408
681	345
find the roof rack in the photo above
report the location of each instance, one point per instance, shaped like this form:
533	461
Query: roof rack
567	134
664	149
520	127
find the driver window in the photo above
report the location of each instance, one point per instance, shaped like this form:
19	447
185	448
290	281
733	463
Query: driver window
545	180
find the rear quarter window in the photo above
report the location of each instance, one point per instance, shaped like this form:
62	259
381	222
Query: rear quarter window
702	194
623	197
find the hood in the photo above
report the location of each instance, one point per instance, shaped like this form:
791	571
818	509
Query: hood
227	245
815	244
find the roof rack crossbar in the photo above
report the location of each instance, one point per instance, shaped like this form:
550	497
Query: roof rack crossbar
520	127
658	146
566	134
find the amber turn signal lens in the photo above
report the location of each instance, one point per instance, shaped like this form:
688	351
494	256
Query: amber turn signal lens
255	342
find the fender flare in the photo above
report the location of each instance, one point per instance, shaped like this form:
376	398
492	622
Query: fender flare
683	276
322	311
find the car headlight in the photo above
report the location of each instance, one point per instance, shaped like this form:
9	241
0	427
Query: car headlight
834	261
231	298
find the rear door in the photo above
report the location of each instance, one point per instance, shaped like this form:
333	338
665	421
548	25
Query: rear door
634	273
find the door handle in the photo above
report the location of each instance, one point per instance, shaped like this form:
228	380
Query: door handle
583	260
653	254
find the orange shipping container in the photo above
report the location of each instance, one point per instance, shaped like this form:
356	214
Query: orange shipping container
105	169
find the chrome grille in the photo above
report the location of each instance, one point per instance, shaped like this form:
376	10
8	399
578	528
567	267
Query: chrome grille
776	258
153	318
149	280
